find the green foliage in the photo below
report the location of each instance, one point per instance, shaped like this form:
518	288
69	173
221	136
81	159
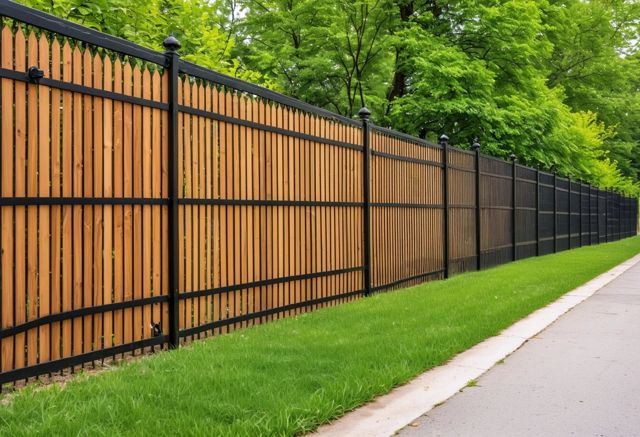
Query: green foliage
554	81
205	28
331	53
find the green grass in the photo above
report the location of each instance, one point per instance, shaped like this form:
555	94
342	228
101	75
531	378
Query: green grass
287	377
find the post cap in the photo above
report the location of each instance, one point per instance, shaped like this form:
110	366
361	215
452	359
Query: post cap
444	139
364	113
171	43
476	144
513	157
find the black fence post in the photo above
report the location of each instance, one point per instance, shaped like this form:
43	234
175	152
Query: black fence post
569	212
444	142
606	215
364	115
555	212
476	148
598	192
171	45
590	216
537	211
514	183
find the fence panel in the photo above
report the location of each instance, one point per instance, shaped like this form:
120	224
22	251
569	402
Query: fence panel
547	214
270	215
562	214
462	211
574	214
496	200
584	215
602	216
594	226
406	210
526	211
81	223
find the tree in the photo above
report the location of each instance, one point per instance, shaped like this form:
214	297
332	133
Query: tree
330	53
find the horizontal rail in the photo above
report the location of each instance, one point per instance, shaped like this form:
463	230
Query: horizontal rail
402	135
72	314
406	205
407	279
64	363
460	168
256	90
486	250
271	311
407	159
497	207
85	90
266	282
81	201
266	127
257	202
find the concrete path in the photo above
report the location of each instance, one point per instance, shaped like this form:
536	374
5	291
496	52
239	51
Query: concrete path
578	377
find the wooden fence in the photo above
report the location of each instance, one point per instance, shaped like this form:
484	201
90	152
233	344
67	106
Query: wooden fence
147	201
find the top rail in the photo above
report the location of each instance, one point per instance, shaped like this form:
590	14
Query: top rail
48	22
416	140
257	90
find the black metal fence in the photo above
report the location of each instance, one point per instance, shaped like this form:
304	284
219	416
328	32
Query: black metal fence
147	201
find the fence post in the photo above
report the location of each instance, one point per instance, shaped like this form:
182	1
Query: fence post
476	148
537	211
569	212
444	142
590	216
171	45
364	115
555	212
606	215
514	241
598	192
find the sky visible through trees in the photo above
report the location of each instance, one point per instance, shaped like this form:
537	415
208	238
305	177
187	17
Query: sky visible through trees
555	82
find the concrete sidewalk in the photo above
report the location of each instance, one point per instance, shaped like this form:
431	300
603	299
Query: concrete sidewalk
578	377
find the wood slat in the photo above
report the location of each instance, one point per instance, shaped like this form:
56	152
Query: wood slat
7	216
32	211
56	210
20	130
107	210
138	274
119	257
147	231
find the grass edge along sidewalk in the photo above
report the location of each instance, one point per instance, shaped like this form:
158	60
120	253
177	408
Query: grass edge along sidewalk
290	376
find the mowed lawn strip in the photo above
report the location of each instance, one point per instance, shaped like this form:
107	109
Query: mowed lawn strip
288	377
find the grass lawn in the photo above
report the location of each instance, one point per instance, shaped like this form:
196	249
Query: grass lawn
290	376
